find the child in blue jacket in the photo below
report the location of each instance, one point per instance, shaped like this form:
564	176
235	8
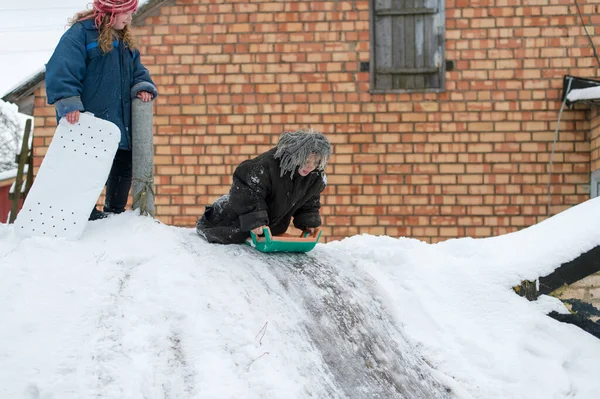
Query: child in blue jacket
96	68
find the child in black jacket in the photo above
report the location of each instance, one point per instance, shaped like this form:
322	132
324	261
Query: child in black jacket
269	190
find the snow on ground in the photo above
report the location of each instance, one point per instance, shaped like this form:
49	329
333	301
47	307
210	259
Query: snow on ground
138	309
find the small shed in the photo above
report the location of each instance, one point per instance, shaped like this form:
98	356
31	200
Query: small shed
7	179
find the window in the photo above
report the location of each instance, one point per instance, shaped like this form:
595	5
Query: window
407	45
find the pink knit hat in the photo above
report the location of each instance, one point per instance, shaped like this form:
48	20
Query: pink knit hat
112	7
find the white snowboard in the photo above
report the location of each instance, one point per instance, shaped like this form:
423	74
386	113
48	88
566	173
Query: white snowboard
70	179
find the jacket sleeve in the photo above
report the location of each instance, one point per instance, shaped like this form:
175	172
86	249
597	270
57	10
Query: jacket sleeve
308	214
65	72
141	78
248	195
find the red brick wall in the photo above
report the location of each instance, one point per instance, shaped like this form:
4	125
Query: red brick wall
470	161
595	138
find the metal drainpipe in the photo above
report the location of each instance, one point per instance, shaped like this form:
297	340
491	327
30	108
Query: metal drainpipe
143	157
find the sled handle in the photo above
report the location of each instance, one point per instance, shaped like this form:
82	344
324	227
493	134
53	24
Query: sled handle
305	234
266	232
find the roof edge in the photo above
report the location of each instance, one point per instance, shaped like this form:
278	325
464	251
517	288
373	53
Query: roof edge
579	268
8	174
25	88
580	90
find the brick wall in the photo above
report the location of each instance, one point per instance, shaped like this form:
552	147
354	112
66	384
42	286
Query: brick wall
595	138
470	161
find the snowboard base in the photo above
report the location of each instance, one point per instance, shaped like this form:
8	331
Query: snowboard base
284	242
70	179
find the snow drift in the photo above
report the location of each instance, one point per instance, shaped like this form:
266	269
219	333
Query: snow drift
137	309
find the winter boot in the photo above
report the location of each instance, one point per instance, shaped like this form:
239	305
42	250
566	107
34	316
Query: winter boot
117	192
97	215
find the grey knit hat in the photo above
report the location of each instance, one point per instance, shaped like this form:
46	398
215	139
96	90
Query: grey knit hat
294	148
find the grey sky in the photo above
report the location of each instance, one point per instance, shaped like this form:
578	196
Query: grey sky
29	31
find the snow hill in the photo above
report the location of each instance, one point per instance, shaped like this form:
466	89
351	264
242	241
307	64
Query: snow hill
138	309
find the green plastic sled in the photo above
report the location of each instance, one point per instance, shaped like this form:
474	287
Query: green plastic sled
284	242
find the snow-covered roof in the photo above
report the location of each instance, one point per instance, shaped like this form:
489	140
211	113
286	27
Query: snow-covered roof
25	84
589	93
8	174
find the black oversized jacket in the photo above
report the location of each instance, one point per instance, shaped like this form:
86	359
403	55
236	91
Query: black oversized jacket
260	196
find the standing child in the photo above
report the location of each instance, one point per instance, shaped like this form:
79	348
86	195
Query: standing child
96	68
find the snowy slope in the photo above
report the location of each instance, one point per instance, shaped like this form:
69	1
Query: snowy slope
137	309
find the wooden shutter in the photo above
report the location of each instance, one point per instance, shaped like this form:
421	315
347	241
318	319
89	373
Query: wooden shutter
407	45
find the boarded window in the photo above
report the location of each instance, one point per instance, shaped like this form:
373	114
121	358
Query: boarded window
407	45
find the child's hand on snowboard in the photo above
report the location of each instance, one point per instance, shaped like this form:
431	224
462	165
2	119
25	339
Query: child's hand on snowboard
310	230
72	117
259	230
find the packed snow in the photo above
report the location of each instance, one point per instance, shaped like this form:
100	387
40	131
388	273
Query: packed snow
139	309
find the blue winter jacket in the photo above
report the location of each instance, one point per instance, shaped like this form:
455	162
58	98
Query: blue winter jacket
80	77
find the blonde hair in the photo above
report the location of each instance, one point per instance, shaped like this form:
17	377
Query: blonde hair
107	33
